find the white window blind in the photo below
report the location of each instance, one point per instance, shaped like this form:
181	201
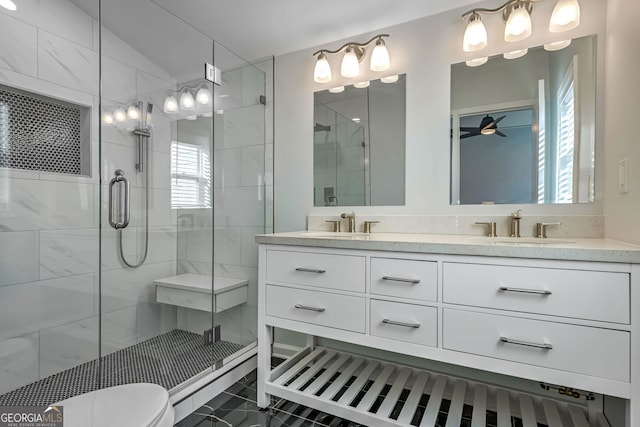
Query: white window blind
190	176
566	133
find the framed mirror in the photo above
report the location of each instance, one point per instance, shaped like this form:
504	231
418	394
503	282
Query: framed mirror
523	130
359	144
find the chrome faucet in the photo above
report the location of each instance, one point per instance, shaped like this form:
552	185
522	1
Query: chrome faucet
351	224
515	223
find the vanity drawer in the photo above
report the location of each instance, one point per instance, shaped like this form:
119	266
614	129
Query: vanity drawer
320	308
332	271
404	278
404	322
585	350
593	295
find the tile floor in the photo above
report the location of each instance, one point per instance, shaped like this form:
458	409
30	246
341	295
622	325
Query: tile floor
236	407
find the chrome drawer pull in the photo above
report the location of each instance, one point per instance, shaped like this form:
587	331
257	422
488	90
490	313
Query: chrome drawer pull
400	279
311	270
525	291
306	307
406	325
544	346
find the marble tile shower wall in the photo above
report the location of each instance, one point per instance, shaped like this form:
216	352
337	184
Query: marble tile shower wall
243	200
49	222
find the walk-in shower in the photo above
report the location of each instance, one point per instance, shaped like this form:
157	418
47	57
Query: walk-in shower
125	229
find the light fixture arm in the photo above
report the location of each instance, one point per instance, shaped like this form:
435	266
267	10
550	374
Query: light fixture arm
351	44
505	9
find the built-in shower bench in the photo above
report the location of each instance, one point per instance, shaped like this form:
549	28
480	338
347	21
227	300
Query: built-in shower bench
194	291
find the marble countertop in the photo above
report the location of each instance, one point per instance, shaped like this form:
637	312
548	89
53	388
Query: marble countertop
575	249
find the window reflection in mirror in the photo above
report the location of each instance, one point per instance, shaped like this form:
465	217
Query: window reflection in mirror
359	145
523	130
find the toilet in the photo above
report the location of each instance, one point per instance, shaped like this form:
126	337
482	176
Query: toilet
130	405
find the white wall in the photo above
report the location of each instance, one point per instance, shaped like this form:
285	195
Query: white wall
423	49
622	112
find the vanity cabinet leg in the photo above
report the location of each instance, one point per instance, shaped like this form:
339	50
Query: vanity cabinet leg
265	335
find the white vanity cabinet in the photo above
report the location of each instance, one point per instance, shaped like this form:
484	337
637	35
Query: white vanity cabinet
559	322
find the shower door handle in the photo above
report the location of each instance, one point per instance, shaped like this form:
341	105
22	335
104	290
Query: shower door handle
119	178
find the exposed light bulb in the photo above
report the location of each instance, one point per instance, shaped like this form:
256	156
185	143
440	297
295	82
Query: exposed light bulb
518	25
475	36
8	4
350	66
477	62
170	105
107	118
552	47
380	57
337	89
361	85
186	100
515	54
119	115
133	112
203	97
565	16
389	79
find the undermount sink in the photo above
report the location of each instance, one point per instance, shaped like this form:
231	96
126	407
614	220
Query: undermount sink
523	241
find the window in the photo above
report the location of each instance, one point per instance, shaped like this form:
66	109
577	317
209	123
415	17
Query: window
566	140
190	176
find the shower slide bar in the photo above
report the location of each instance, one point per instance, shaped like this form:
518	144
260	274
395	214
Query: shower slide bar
119	178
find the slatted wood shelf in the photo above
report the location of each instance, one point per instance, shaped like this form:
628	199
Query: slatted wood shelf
378	393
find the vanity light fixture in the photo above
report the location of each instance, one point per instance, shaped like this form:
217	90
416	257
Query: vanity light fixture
565	16
186	100
203	97
552	47
107	118
517	17
133	112
337	89
8	4
354	53
475	36
477	62
515	54
170	104
119	114
361	85
389	79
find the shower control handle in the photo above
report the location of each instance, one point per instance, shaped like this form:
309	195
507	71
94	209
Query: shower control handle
119	178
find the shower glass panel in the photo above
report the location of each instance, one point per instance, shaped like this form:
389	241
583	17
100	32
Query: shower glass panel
49	186
131	189
240	197
157	139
